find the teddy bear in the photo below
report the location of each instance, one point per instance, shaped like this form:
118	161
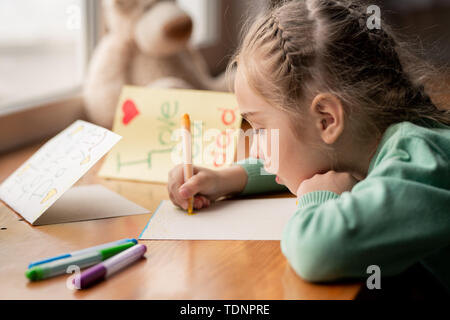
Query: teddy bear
146	44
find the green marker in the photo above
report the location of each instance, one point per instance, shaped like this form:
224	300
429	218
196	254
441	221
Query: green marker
54	268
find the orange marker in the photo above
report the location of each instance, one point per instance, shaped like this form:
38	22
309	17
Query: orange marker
187	155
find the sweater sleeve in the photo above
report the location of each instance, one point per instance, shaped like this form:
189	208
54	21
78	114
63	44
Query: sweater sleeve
259	180
392	219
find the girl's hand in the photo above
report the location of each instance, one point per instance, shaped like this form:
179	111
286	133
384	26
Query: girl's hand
205	185
337	182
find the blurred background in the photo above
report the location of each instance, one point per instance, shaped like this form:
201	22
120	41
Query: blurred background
45	47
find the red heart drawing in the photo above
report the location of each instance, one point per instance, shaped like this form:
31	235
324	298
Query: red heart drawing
129	110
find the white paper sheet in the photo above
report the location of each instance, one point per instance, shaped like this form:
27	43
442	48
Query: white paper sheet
255	219
89	203
55	167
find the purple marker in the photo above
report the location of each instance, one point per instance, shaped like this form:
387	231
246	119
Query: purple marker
109	266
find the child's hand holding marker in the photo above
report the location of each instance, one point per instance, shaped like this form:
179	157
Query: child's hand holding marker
206	185
194	187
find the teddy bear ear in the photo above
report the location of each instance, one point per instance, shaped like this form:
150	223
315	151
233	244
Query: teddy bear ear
125	5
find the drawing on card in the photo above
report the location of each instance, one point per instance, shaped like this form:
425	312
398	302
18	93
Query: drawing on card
151	144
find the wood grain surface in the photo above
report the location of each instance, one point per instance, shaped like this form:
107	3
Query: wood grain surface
170	270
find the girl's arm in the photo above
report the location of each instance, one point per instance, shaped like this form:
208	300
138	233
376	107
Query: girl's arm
258	180
394	218
208	185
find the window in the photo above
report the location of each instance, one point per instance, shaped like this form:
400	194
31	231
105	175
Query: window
44	47
206	16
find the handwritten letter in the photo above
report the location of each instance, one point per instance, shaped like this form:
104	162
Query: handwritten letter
55	167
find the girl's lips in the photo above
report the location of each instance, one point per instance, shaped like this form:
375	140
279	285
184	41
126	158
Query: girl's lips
278	180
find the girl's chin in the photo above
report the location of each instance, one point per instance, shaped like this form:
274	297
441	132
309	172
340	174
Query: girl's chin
280	181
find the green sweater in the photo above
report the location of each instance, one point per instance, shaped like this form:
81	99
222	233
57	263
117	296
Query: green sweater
397	216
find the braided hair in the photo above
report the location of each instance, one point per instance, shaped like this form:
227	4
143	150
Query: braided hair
302	47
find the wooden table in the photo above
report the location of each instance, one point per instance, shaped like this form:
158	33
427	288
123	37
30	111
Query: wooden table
170	270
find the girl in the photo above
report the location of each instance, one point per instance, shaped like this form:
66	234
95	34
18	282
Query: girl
361	144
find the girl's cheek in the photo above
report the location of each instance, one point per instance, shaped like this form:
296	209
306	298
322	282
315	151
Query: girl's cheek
265	146
254	148
271	150
270	155
257	148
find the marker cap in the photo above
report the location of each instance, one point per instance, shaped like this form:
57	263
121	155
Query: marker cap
90	276
35	273
109	252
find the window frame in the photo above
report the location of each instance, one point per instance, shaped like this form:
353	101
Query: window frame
90	28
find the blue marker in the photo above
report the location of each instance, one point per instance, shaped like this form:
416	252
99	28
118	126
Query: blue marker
83	251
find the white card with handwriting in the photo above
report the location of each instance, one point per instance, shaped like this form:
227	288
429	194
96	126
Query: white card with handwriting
55	167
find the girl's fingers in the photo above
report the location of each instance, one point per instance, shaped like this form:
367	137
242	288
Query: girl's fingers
201	202
205	201
180	191
176	179
198	203
191	187
178	201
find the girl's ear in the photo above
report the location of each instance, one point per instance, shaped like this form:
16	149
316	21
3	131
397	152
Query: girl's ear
328	116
